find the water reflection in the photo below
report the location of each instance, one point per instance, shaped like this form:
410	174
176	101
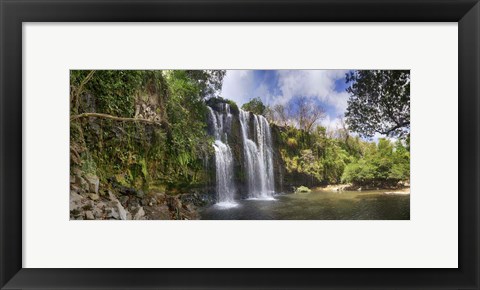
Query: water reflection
318	205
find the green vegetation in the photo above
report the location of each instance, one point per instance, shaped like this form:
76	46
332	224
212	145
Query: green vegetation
148	130
322	157
384	165
302	189
255	106
143	129
379	102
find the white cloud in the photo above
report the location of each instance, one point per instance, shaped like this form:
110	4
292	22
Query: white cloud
377	136
241	86
262	92
330	123
319	84
238	85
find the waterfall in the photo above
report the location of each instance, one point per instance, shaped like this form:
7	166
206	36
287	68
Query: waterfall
258	157
221	123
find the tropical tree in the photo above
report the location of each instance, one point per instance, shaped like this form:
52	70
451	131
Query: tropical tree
255	106
209	81
379	102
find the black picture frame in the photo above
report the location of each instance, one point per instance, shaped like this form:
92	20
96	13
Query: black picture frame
15	12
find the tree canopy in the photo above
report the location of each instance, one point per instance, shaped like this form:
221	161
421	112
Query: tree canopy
209	81
307	113
379	102
255	106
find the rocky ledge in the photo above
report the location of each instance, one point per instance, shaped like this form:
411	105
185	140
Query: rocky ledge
90	201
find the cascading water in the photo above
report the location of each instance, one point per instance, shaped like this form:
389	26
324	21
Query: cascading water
221	123
258	156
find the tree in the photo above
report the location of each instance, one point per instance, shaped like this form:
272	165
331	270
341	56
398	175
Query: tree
280	115
379	102
255	106
209	81
383	165
307	113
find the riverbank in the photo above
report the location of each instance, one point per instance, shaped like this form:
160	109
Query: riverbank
400	189
92	200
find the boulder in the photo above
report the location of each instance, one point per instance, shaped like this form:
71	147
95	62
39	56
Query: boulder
74	196
98	212
140	194
111	196
174	203
93	196
160	197
139	213
75	203
89	215
123	199
160	212
80	182
93	183
122	213
112	213
76	188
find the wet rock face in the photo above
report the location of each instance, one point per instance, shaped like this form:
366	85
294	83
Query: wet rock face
278	163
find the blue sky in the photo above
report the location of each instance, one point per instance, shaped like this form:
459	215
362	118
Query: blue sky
327	87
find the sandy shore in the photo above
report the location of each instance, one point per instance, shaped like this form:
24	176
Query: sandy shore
400	191
345	187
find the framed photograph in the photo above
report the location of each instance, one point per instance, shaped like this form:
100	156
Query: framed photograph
239	144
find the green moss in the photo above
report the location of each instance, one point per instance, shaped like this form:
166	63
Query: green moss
302	189
233	107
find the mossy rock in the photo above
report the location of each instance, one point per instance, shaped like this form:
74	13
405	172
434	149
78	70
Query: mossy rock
302	189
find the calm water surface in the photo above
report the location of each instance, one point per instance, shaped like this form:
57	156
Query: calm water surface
317	205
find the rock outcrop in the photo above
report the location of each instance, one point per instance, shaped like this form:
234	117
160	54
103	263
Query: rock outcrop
89	201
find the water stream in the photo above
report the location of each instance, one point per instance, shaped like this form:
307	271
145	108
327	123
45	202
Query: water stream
257	150
225	187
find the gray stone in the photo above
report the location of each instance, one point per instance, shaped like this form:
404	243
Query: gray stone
98	213
112	196
74	196
123	199
112	213
122	213
139	214
153	201
80	182
89	215
140	194
93	196
163	213
93	183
